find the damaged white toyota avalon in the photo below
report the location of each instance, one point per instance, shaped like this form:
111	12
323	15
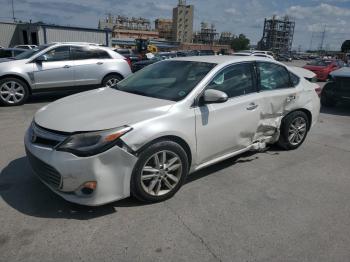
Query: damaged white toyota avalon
143	136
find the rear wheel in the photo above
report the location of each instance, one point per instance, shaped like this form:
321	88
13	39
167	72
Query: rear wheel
13	91
111	80
159	172
327	101
294	129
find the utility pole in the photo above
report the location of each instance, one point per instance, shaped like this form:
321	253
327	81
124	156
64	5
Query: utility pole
13	11
312	38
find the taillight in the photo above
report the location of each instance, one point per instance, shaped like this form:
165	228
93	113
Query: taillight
128	60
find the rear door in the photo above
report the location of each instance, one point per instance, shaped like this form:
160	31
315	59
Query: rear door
56	71
230	126
90	65
279	94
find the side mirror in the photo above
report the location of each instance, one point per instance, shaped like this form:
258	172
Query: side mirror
211	96
41	59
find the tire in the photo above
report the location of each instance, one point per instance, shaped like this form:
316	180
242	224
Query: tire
13	91
111	80
151	184
298	123
326	101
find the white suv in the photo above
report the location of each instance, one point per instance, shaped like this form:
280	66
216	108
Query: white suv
59	66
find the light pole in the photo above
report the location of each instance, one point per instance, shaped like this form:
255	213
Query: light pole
13	11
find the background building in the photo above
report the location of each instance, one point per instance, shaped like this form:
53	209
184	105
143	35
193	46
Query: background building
183	22
41	33
278	34
164	27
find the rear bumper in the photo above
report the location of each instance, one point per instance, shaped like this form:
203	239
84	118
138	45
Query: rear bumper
111	170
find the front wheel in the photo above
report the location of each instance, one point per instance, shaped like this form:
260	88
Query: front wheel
294	129
13	91
159	172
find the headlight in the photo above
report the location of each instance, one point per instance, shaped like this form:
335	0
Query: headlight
92	143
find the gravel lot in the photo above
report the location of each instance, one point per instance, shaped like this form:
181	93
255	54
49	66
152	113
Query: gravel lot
271	206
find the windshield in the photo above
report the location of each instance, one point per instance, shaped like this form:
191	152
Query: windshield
169	79
320	63
31	52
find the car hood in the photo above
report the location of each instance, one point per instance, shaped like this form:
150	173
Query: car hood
99	109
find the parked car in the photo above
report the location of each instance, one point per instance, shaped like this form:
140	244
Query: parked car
323	67
10	52
270	53
337	89
284	58
129	54
205	52
26	46
59	67
156	58
144	135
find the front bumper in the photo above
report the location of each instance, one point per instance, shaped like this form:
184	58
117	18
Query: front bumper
111	170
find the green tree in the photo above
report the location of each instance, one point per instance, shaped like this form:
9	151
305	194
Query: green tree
240	42
345	48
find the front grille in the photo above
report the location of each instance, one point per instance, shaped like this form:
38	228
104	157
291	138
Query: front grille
45	172
45	137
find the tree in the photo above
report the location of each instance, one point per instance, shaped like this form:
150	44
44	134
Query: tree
240	42
345	48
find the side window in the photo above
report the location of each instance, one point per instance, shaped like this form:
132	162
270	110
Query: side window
58	54
294	79
99	54
5	53
85	52
273	76
235	80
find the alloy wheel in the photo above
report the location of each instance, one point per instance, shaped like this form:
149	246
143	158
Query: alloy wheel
12	92
161	173
297	131
112	82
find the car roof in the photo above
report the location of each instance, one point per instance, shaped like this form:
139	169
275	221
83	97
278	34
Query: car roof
224	59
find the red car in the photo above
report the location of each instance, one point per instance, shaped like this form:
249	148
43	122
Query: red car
322	68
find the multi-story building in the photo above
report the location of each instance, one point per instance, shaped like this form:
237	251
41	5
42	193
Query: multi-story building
164	27
183	22
278	34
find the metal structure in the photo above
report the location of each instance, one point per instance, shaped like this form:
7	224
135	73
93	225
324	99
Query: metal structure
207	34
278	34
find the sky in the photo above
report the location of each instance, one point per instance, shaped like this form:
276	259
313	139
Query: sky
236	16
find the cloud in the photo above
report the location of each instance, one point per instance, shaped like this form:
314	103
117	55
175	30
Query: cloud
236	16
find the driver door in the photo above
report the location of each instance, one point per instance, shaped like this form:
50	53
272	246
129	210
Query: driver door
227	127
55	69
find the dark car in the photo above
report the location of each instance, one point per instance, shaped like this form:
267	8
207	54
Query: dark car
157	57
129	54
337	89
11	52
284	57
206	52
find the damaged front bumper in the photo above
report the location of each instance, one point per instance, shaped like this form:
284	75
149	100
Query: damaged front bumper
65	174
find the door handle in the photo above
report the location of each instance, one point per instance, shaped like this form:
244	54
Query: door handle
252	106
99	63
66	66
